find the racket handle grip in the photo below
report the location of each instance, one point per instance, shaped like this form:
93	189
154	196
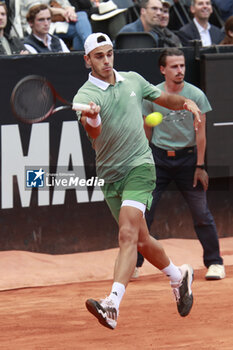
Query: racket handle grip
80	107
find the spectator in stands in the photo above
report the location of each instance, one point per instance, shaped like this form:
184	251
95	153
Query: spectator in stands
109	19
150	17
228	40
225	7
8	45
169	35
39	19
70	25
200	28
154	18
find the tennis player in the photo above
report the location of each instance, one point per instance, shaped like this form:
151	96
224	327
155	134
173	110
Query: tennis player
124	160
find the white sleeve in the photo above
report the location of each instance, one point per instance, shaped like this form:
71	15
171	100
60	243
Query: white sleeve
63	46
30	48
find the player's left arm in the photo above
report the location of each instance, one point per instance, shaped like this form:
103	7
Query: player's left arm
178	102
201	174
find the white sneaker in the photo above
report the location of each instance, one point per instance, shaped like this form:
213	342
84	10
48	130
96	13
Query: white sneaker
136	272
182	290
105	311
215	272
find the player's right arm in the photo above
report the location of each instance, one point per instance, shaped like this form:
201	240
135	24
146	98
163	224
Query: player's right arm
91	121
179	102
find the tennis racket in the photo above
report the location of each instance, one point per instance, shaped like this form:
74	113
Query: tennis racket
33	99
175	116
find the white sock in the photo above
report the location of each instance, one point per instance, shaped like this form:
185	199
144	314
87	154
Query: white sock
173	272
117	292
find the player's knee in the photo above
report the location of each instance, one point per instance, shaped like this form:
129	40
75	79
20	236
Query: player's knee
127	235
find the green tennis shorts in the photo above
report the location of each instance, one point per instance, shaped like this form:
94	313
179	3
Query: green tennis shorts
137	185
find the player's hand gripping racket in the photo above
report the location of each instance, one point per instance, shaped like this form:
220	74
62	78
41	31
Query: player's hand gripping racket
33	99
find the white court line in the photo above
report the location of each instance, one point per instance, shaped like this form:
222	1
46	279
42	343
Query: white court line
223	124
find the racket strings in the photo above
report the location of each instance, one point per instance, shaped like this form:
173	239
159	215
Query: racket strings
33	100
175	116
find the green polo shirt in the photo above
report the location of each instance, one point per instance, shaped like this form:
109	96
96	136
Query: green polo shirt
122	144
176	135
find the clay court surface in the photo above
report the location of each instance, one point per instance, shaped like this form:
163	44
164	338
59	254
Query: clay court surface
43	303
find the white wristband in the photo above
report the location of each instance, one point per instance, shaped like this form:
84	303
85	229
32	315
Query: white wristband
94	122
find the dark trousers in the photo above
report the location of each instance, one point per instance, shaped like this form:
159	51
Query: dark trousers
180	169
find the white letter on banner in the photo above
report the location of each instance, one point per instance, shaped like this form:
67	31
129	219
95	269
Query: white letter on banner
14	162
97	195
70	148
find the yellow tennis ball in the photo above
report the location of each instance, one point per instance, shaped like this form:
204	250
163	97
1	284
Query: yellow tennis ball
153	119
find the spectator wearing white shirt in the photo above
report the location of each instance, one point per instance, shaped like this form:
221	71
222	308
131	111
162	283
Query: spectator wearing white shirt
67	24
200	28
204	33
40	41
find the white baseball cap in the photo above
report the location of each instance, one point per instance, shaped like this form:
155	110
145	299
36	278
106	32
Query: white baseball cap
96	40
